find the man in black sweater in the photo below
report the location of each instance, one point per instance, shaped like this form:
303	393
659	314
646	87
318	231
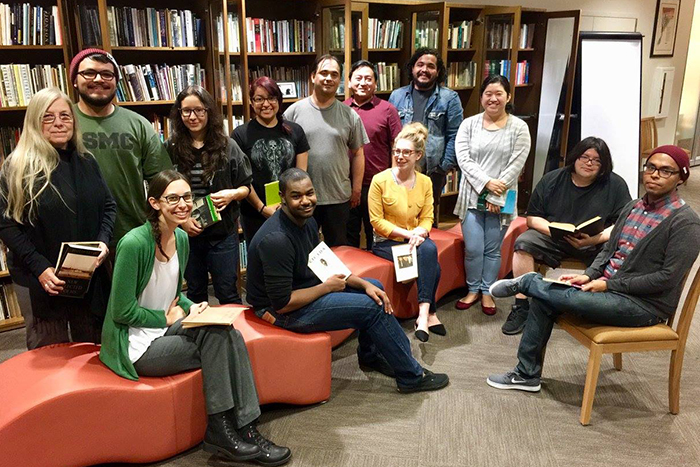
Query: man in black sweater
285	292
636	280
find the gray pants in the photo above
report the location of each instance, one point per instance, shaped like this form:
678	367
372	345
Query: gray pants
223	357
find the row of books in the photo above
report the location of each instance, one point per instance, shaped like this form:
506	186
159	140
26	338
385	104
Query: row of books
522	72
338	33
9	136
139	27
236	88
237	121
21	81
291	35
157	82
498	35
426	34
90	25
299	75
8	303
459	35
24	24
385	34
527	34
461	74
388	76
234	40
451	182
497	67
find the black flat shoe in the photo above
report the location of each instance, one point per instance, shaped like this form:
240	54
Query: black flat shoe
430	382
438	329
421	335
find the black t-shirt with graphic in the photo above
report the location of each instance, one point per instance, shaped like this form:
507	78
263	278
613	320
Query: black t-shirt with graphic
271	151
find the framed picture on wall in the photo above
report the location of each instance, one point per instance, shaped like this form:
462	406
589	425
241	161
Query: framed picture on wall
663	41
288	88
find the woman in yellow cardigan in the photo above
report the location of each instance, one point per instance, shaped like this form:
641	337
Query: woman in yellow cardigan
401	211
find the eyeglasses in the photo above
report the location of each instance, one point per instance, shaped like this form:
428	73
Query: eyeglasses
259	100
590	160
200	112
175	199
91	75
649	169
50	118
405	153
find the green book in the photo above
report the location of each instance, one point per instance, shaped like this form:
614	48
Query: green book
272	194
204	212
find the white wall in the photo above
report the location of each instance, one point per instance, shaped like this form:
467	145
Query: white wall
644	11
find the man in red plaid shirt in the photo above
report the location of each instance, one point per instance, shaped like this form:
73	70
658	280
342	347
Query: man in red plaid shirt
636	280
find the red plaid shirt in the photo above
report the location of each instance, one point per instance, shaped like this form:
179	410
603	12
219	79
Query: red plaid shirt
643	218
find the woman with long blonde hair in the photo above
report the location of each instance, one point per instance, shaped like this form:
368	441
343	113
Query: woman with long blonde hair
52	191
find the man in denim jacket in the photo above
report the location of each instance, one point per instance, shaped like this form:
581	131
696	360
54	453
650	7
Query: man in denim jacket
437	107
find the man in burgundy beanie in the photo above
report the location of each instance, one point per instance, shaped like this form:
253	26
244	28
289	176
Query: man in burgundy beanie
636	280
127	148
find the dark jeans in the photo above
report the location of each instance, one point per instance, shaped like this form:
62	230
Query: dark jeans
218	257
359	216
551	300
332	219
250	226
221	353
379	332
428	268
438	179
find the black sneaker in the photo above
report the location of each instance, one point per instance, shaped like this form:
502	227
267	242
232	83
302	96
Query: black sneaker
430	382
270	453
515	322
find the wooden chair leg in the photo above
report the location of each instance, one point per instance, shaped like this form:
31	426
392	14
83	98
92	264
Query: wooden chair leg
674	381
617	361
591	383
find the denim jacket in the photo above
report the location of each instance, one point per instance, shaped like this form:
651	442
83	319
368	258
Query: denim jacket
443	115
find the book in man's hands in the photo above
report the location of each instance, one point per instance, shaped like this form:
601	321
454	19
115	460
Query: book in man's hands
324	263
214	316
76	264
565	283
405	262
590	227
204	212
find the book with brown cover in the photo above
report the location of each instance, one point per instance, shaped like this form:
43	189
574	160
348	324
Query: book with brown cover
559	230
214	316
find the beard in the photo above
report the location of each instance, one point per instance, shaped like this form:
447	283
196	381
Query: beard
97	101
424	86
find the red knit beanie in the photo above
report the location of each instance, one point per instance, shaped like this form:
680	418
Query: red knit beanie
678	155
75	63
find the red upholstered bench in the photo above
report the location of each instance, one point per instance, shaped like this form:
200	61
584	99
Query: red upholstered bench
61	406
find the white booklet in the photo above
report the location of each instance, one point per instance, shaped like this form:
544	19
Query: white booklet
324	263
405	262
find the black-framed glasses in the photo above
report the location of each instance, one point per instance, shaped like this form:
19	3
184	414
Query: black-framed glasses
50	118
590	160
175	199
91	75
649	169
259	100
404	153
200	112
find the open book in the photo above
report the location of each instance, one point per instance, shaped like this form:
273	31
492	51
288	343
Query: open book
591	227
76	264
204	211
214	316
405	262
324	263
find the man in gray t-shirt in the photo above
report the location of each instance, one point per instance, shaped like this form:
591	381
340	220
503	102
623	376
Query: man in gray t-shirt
333	130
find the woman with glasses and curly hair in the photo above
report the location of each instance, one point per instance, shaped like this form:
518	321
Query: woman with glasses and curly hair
216	167
52	191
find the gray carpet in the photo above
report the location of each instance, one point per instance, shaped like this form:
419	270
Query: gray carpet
367	423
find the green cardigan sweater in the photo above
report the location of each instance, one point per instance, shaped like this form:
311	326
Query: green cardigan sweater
136	254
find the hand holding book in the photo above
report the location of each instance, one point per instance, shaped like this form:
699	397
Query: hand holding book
50	282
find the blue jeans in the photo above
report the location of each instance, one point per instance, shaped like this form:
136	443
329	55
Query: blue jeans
483	234
551	300
379	332
218	257
428	268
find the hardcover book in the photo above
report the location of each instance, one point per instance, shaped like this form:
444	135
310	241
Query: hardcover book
76	264
405	262
559	230
204	212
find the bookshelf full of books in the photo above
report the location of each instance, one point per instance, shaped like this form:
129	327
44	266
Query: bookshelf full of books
385	34
151	27
337	32
142	83
19	82
234	45
461	75
459	35
298	75
387	76
26	24
286	36
427	32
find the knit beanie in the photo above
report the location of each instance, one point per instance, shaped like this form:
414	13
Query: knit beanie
75	63
678	155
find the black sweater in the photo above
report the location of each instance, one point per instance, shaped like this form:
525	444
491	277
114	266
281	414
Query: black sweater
84	211
652	273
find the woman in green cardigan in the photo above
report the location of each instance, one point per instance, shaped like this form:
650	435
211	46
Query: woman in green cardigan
143	335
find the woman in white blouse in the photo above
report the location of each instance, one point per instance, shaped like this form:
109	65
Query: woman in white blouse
491	148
